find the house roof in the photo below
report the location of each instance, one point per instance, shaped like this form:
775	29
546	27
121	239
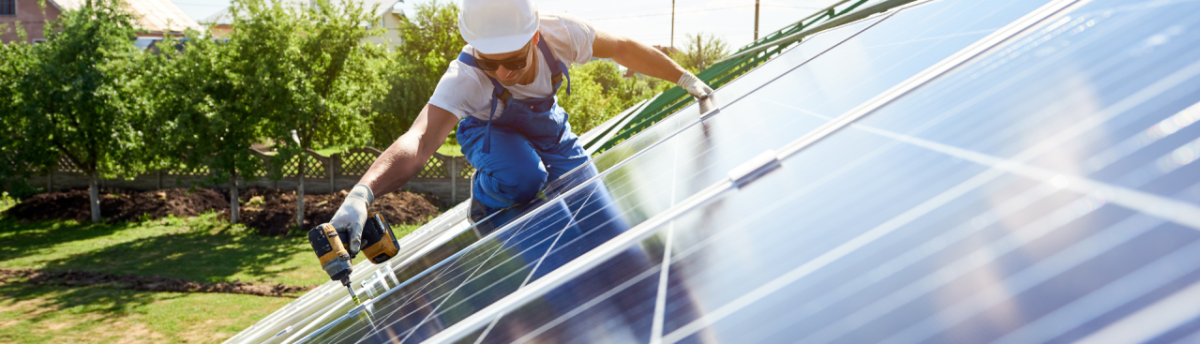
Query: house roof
153	15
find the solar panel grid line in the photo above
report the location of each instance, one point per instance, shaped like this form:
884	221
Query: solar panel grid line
718	94
1146	324
660	301
941	68
588	305
1119	107
578	265
1162	271
452	259
832	255
1176	211
954	271
1062	25
434	311
489	270
897	264
363	267
535	266
447	296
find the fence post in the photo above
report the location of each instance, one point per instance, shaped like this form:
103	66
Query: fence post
451	163
333	158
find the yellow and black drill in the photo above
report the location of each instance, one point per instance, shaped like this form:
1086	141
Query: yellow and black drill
378	244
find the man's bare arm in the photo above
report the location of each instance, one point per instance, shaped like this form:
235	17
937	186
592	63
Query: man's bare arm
636	56
407	156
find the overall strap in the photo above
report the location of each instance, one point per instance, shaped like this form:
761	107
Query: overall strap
499	93
557	68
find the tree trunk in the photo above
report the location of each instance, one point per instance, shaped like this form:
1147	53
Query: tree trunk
94	196
233	197
300	195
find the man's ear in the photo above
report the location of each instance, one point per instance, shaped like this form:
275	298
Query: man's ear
537	37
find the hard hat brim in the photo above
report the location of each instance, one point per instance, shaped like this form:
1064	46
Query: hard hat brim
501	45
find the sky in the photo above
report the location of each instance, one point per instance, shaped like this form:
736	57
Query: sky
648	21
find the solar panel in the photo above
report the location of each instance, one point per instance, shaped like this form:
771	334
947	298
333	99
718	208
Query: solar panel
632	192
1045	191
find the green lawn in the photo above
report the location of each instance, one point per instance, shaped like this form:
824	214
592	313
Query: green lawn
201	248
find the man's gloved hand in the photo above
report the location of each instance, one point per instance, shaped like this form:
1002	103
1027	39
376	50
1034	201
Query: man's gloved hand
350	218
694	85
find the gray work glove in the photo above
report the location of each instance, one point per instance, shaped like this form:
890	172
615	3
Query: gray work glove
350	218
694	86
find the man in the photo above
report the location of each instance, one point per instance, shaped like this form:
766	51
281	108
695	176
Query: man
500	93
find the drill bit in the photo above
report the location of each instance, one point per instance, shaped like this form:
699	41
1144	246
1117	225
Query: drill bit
352	294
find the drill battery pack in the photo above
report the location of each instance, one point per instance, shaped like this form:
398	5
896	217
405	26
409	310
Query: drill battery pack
378	243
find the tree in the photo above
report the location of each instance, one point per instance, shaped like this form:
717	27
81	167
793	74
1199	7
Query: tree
208	119
313	75
80	97
17	57
599	91
431	41
700	52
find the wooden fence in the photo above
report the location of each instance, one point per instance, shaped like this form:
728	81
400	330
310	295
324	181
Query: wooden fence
445	176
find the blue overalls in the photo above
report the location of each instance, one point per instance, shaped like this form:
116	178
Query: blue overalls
530	143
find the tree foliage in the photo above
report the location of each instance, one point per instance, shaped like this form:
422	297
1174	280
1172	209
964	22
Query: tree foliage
701	51
14	171
310	74
79	96
431	41
599	91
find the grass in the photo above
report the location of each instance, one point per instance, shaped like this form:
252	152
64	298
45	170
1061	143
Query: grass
200	248
450	149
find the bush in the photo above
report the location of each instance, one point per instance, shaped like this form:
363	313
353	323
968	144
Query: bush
599	91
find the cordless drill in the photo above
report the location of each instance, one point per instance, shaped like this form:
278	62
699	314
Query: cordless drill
378	244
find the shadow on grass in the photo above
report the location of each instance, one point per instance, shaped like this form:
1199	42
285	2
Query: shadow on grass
19	239
110	302
200	256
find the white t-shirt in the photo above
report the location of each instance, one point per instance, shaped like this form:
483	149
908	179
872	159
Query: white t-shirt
466	90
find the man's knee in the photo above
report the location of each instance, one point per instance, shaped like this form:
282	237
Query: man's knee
514	184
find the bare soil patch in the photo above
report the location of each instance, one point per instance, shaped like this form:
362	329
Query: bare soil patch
144	283
269	211
119	205
273	212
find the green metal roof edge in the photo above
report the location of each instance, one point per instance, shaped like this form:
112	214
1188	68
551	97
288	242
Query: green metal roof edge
747	58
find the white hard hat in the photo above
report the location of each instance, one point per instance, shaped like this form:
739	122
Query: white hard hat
498	26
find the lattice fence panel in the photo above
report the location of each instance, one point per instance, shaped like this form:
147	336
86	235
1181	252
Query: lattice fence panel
312	167
188	170
466	171
260	170
65	165
434	168
356	163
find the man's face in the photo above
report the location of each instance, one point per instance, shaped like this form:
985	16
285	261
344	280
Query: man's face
503	74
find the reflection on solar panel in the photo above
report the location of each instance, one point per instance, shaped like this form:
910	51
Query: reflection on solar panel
952	171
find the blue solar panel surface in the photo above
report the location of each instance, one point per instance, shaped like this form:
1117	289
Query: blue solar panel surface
1044	191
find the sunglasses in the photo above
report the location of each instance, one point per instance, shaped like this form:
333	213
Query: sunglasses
515	63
